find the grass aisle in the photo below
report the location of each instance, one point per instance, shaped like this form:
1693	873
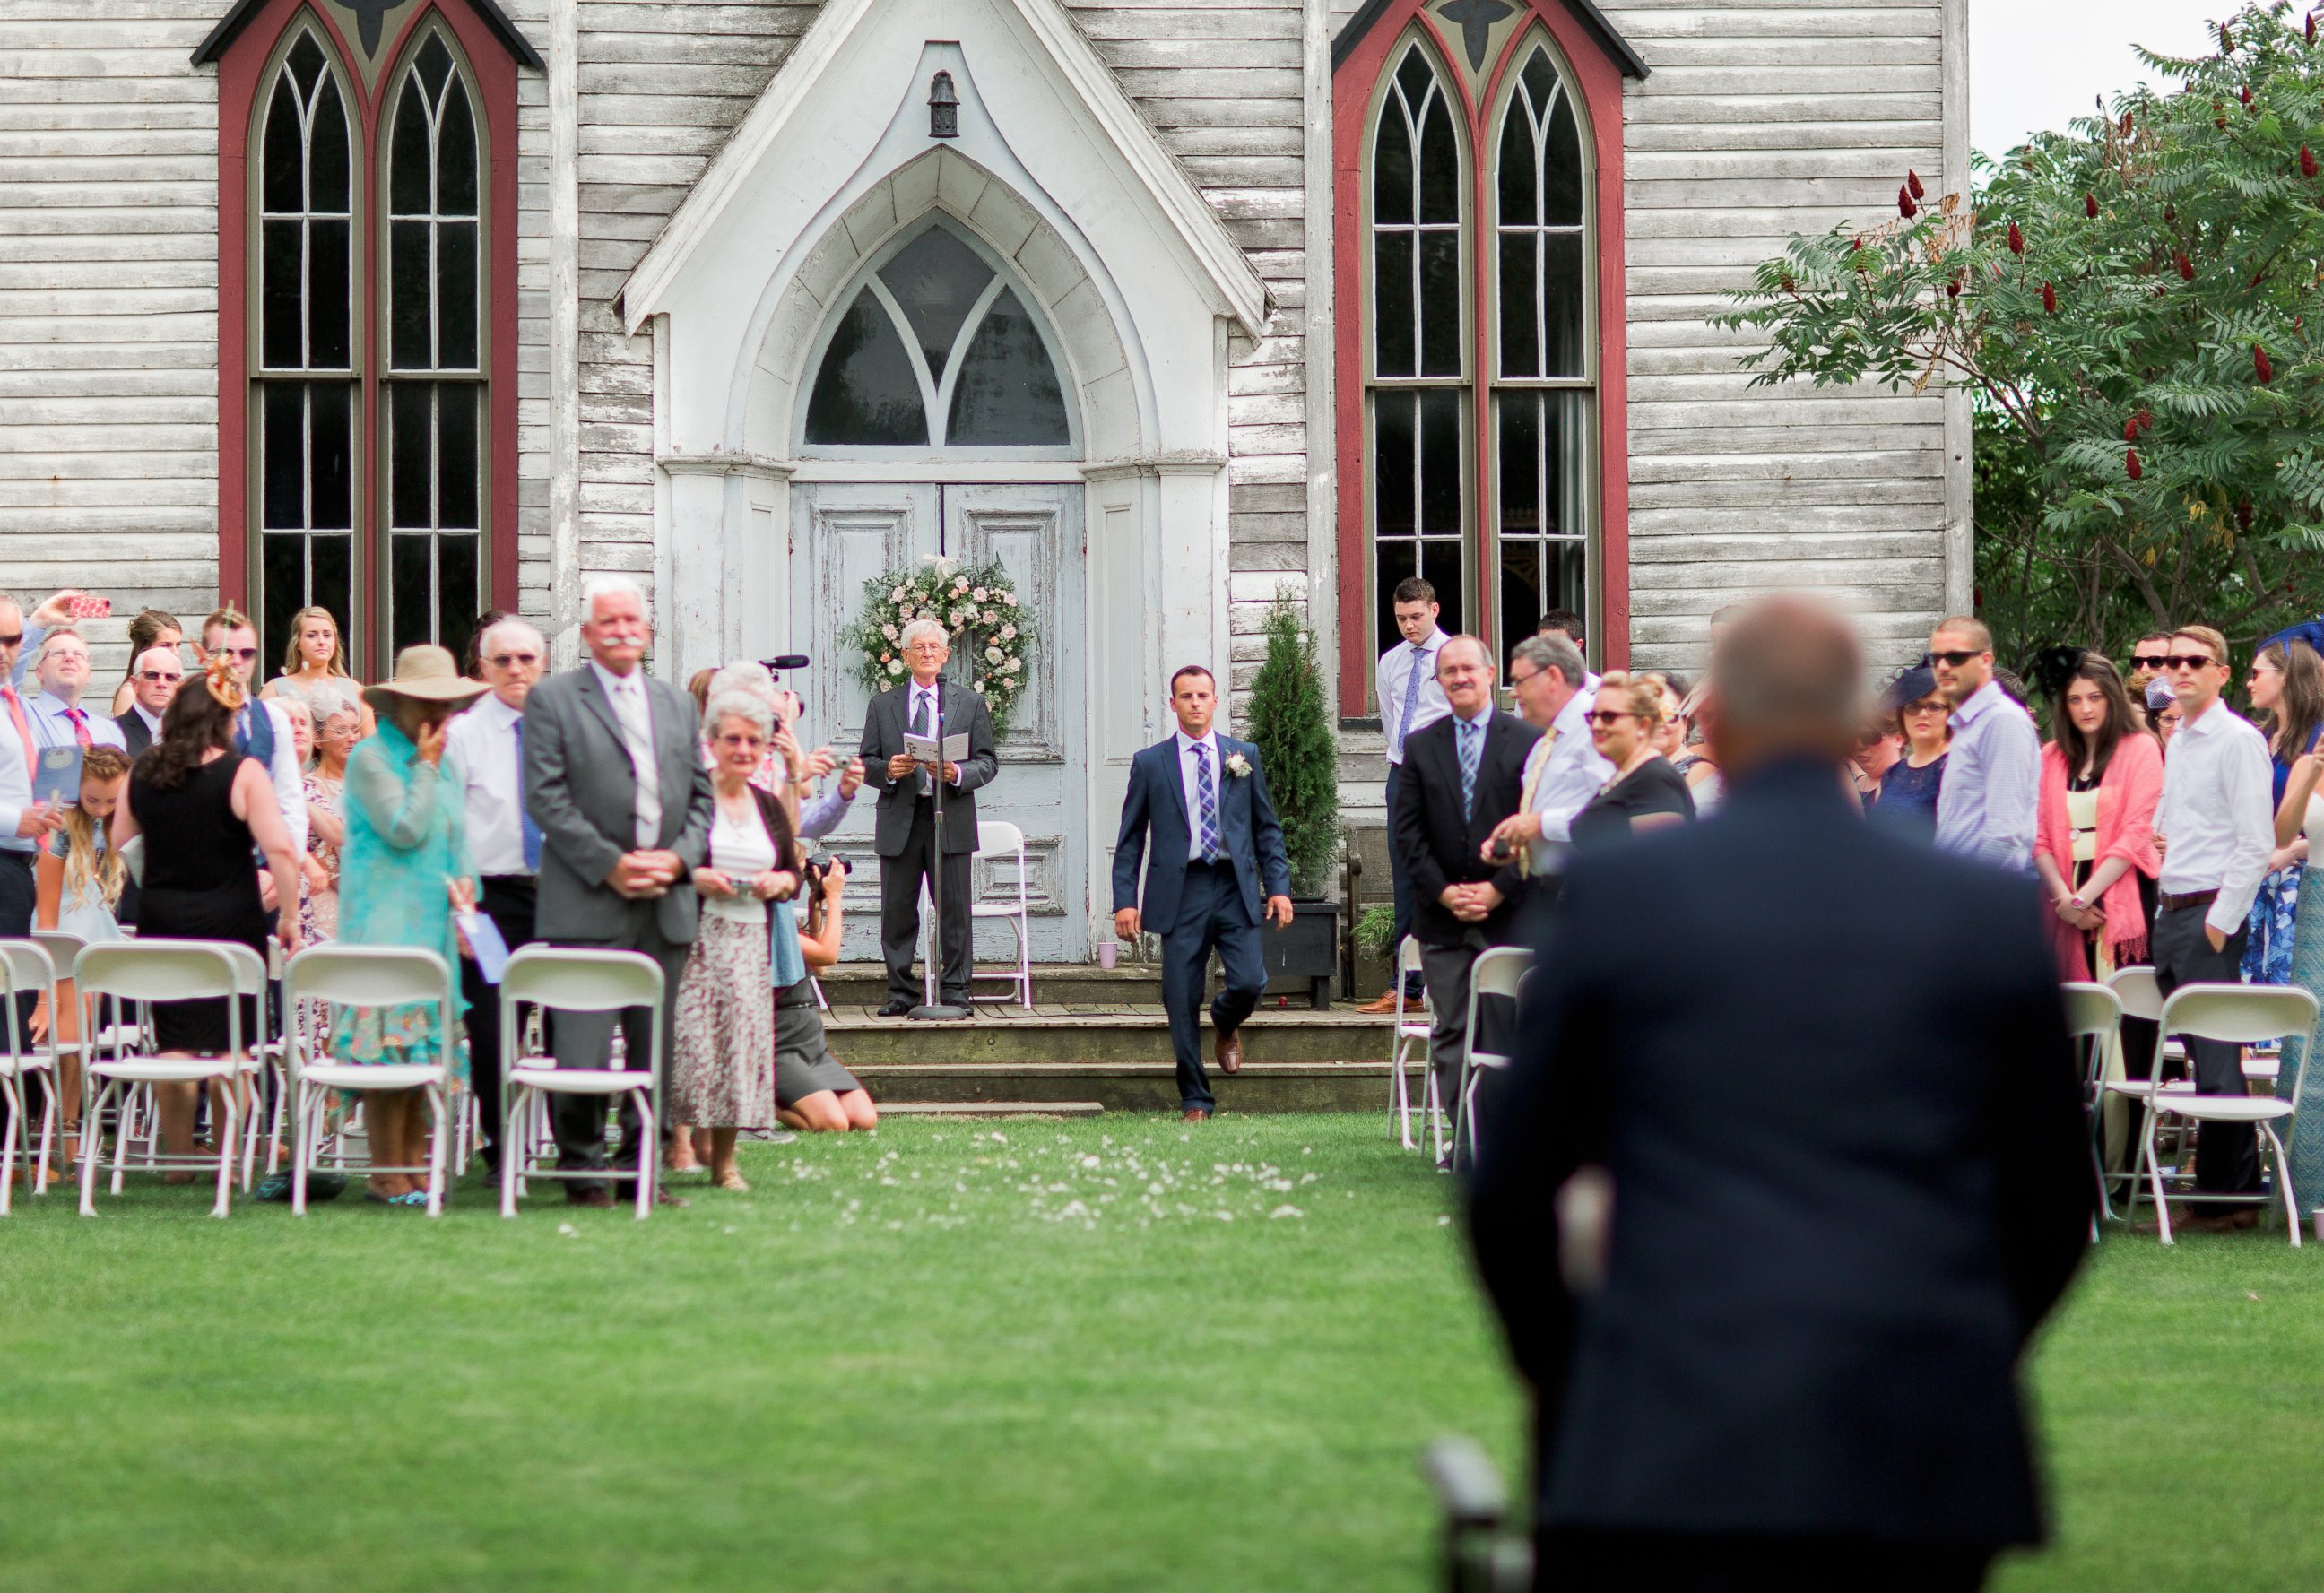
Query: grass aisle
1108	1354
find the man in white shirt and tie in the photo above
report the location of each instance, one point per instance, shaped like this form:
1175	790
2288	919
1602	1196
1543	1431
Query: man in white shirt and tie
59	719
24	824
2218	812
487	745
1564	769
1410	700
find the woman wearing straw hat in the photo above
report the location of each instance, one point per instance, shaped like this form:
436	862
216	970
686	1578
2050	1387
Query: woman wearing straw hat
402	869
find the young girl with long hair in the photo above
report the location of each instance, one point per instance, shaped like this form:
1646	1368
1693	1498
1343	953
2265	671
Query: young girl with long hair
80	880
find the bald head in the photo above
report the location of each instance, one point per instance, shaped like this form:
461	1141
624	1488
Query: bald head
1784	682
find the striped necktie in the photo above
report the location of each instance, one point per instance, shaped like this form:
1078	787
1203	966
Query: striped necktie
1472	746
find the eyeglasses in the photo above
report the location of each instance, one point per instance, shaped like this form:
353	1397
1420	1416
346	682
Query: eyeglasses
1605	716
503	660
2190	661
1956	657
1518	680
2149	661
1924	707
155	677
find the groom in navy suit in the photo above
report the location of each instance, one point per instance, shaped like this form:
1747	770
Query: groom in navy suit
1216	841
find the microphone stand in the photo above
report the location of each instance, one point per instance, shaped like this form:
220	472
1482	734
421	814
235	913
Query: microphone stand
936	1010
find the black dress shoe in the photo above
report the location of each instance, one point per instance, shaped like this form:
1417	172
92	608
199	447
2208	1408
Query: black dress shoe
894	1007
596	1199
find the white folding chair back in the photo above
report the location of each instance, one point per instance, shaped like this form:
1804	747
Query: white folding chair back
1408	1039
146	971
572	979
1498	972
2137	989
2092	1011
2093	1020
2237	1015
996	838
329	976
26	975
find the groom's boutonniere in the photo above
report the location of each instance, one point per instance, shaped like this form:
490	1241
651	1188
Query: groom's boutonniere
1237	764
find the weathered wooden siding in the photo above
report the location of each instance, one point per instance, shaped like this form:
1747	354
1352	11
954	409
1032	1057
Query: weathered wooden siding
108	308
1763	119
532	426
1221	84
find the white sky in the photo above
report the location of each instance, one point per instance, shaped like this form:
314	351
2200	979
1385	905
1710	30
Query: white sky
2034	64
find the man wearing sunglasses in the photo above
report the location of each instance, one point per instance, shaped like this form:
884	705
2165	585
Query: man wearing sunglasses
2219	810
1993	770
261	729
153	678
2146	663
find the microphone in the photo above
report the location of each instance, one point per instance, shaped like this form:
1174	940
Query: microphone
786	661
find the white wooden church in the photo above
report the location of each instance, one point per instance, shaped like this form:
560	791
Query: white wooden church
415	307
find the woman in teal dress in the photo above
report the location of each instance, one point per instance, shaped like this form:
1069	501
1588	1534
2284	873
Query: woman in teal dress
402	869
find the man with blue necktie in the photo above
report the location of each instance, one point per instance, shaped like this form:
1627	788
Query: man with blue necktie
1216	845
1410	701
487	744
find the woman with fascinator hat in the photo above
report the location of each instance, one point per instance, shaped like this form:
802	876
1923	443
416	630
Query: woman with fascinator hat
203	809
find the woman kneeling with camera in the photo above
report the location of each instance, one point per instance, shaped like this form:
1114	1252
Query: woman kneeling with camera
812	1090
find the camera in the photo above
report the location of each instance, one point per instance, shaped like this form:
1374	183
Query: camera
817	868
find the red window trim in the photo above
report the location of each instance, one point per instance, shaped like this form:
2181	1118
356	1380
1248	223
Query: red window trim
1598	76
240	66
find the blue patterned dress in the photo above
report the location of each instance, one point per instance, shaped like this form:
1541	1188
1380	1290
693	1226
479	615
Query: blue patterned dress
2274	911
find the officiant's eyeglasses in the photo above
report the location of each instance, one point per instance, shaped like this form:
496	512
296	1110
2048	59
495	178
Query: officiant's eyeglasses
503	660
159	677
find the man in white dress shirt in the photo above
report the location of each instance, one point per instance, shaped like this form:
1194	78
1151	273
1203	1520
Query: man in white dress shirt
59	719
1409	700
2218	812
487	746
1564	769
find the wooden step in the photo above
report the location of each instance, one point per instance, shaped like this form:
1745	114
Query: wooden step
865	984
1070	1033
1125	1086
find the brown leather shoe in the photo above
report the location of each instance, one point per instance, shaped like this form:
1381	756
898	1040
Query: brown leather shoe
1379	1006
595	1199
1195	1115
1227	1049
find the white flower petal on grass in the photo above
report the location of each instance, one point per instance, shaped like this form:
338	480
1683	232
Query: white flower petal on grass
1285	1211
568	1230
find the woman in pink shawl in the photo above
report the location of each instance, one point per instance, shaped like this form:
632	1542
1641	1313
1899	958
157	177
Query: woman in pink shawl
2094	835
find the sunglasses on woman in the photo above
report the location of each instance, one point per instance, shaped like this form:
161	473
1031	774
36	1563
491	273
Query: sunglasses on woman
1607	716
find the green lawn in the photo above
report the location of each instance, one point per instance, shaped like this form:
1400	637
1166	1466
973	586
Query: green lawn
1114	1354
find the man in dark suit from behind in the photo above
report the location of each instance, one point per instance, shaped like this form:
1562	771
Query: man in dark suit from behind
1848	1175
1463	775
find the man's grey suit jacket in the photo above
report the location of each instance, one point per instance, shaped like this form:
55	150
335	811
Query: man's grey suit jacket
580	789
883	738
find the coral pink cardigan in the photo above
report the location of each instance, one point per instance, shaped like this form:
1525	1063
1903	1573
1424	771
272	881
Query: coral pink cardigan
2128	793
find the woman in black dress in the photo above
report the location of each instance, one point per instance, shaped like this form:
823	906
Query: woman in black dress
202	809
1647	791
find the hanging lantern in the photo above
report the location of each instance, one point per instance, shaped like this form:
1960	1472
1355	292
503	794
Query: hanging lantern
944	107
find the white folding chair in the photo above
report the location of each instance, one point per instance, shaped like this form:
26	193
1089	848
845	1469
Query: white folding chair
1499	970
26	974
325	977
2093	1018
997	839
147	970
1408	1042
2238	1014
566	979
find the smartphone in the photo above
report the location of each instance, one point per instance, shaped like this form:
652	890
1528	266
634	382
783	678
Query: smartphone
89	608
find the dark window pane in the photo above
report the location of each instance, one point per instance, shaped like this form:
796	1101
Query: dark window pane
408	593
1007	393
1414	78
1392	305
455	296
1567	584
1540	78
407	296
1566	454
433	65
1440	304
331	457
283	161
1562	303
456	155
1523	600
411	453
1440	464
1520	450
279	294
1562	170
407	158
1391	563
1516	179
328	179
329	307
866	393
1392	165
1444	568
330	582
1520	325
936	279
282	592
283	462
306	63
458	599
1392	457
457	491
1440	166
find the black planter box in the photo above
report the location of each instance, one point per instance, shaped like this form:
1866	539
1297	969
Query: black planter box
1305	957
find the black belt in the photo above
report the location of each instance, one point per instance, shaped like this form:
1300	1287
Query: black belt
2192	898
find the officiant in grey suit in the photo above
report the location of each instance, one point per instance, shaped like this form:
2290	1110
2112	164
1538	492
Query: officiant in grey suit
904	830
613	777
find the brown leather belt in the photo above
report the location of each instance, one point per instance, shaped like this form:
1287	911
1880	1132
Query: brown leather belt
2193	899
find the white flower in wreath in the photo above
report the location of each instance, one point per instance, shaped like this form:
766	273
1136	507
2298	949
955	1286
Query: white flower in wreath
1009	599
977	594
989	616
1012	666
1237	764
960	584
992	655
889	631
895	666
1008	633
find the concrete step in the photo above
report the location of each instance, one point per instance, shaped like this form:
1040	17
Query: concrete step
991	1108
865	984
1116	1086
